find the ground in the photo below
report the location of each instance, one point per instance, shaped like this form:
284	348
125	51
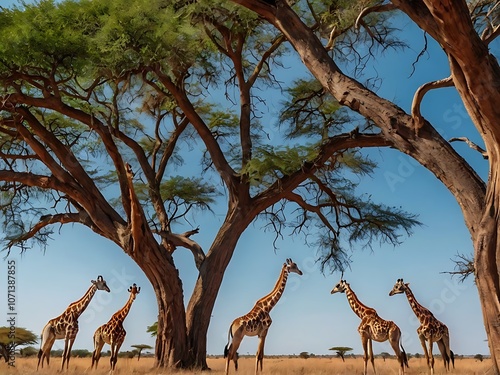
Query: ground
272	366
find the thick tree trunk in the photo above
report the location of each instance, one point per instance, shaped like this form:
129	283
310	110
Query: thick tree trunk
171	343
487	260
209	281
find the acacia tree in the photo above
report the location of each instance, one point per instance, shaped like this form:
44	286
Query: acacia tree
10	339
102	101
341	350
464	30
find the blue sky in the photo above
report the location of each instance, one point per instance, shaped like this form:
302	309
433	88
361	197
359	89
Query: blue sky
307	318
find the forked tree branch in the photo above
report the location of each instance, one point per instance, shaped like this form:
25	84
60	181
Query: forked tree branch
183	240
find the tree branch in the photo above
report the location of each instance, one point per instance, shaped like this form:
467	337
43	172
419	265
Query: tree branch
183	240
419	95
472	145
374	9
46	220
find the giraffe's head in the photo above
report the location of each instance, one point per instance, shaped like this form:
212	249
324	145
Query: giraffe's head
341	287
292	267
134	290
399	287
100	284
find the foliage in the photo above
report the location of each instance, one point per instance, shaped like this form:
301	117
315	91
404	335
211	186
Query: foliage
28	351
12	337
81	353
153	329
341	351
139	348
304	355
107	103
479	357
385	355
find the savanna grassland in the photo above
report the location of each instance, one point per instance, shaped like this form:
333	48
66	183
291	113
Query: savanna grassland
278	366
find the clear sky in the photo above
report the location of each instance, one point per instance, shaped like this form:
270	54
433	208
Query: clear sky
307	318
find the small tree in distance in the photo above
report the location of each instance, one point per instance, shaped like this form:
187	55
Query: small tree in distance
10	339
140	347
341	350
385	355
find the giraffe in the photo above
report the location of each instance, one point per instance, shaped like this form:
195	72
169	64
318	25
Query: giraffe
431	330
112	332
258	320
373	327
65	326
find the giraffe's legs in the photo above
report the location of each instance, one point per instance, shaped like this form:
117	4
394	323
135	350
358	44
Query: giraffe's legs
115	347
364	343
370	352
394	339
48	338
259	357
98	344
68	344
444	347
232	351
44	352
431	356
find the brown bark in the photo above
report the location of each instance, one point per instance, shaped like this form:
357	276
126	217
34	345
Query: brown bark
171	344
476	76
209	280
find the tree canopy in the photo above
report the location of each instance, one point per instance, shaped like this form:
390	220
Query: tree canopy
10	339
107	121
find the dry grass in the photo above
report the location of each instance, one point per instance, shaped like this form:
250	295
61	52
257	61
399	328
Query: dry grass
272	366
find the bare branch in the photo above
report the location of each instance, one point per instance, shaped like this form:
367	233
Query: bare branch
419	95
183	240
472	145
374	9
464	267
47	220
492	35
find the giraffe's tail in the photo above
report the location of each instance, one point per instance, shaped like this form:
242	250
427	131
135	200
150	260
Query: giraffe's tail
229	337
452	357
405	357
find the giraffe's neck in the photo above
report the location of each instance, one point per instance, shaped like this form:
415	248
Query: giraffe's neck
356	305
420	311
268	302
120	315
78	307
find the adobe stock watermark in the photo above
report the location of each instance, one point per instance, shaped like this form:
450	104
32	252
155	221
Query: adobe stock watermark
117	281
450	292
453	118
11	310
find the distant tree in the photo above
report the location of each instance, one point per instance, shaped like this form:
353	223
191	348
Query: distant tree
127	354
479	357
341	350
304	355
153	329
140	347
417	355
81	353
385	355
29	351
11	339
